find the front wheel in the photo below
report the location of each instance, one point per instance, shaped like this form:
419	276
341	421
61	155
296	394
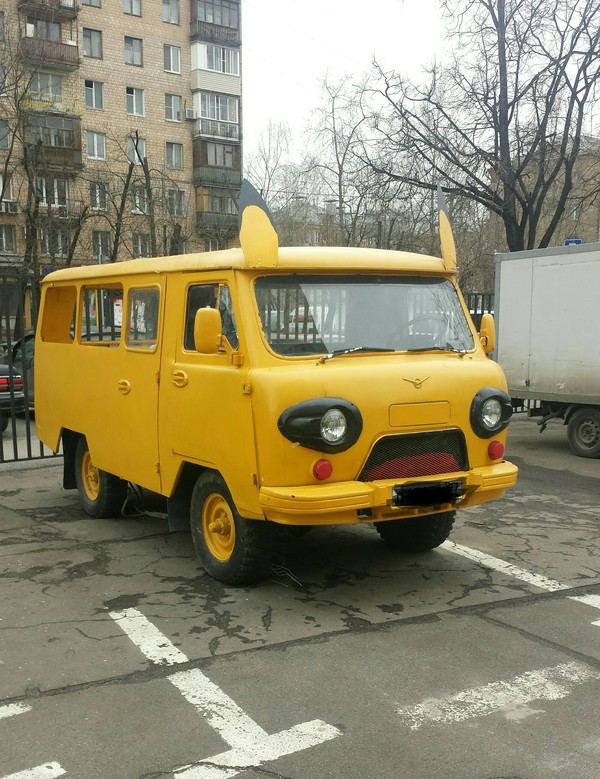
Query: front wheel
417	535
231	549
583	432
102	495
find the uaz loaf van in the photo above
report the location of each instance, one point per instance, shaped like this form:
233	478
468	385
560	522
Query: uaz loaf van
195	377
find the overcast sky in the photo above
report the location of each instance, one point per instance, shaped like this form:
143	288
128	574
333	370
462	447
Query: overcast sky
288	46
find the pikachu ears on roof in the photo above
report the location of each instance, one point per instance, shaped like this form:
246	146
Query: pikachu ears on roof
446	236
258	237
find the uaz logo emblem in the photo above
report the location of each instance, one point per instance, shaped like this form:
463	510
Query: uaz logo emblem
417	383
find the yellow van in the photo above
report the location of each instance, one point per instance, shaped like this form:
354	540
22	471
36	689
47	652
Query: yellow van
185	375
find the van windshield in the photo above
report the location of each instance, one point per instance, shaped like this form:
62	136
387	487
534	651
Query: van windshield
328	314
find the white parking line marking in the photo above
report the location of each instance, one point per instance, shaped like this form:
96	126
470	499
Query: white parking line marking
496	564
13	709
251	746
549	684
147	637
46	771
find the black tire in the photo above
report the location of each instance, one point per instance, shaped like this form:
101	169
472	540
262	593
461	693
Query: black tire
3	423
583	432
231	549
102	495
417	535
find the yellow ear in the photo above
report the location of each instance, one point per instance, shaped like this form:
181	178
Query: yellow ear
446	236
258	237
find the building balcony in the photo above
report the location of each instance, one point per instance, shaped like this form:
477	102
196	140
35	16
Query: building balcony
57	158
216	223
70	211
213	129
55	9
62	56
52	103
222	177
214	33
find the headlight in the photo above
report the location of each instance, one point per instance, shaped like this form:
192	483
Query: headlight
324	424
491	411
333	426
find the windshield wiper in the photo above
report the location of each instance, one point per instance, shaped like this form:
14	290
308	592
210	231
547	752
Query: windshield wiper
338	352
447	348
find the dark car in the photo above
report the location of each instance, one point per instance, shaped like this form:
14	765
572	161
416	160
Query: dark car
12	397
20	357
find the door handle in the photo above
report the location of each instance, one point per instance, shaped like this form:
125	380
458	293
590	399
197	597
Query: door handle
179	378
124	386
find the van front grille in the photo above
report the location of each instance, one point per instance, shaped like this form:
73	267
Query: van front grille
416	454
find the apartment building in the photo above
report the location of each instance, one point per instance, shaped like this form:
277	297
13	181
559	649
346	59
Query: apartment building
120	129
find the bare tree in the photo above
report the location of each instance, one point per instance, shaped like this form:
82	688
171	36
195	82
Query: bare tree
501	122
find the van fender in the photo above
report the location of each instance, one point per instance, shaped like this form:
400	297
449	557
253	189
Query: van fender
69	445
179	503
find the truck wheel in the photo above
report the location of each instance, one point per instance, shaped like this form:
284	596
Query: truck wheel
417	535
231	549
102	495
583	432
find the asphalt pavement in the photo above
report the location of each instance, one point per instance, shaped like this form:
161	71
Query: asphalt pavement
121	659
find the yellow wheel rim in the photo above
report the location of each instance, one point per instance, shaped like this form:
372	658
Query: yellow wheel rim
218	527
89	477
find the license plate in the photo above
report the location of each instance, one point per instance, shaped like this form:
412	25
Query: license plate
427	494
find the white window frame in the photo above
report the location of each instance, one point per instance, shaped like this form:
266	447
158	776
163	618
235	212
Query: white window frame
98	195
222	59
173	114
176	202
47	234
170	11
95	91
134	98
10	232
219	108
133	155
132	7
174	155
134	54
170	54
140	244
139	196
97	146
54	191
8	190
100	244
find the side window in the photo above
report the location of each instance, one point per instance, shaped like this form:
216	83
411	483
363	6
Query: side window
102	315
213	296
59	312
142	318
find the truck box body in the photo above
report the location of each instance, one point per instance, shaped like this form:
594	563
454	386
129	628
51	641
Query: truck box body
548	320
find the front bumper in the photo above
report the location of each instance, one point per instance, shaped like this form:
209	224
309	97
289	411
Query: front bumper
353	502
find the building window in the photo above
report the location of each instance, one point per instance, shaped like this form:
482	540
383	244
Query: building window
172	58
220	201
176	202
141	244
2	81
220	154
96	145
174	155
220	107
136	150
223	12
3	134
100	245
171	11
133	50
52	130
1	25
94	3
51	191
139	199
46	87
135	101
92	43
45	29
133	7
214	244
7	239
223	60
98	195
6	188
94	94
53	241
173	107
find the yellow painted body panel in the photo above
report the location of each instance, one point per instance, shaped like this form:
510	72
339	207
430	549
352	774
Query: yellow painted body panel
145	413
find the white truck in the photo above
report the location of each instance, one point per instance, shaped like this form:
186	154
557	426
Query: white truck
547	311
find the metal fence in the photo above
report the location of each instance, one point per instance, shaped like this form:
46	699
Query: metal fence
19	302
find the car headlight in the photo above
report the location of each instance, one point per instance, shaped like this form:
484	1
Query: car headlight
324	424
491	411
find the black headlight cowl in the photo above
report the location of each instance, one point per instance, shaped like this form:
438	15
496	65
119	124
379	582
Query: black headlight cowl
491	410
307	423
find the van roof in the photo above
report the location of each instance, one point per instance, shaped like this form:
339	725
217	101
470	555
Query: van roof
302	258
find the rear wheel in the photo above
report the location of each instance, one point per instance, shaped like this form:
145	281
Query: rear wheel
417	535
231	549
102	494
583	432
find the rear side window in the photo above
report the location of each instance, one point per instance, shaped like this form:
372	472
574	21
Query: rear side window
142	318
102	315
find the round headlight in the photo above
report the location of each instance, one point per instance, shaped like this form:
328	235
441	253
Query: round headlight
491	413
333	426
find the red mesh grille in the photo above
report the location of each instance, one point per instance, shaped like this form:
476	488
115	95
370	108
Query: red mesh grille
416	465
419	454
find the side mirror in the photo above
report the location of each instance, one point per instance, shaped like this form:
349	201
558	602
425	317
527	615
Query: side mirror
207	331
487	333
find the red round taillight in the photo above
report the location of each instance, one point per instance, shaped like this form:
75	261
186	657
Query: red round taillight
496	450
322	469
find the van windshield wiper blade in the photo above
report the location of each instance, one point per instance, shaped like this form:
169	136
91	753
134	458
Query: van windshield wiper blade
447	348
339	352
